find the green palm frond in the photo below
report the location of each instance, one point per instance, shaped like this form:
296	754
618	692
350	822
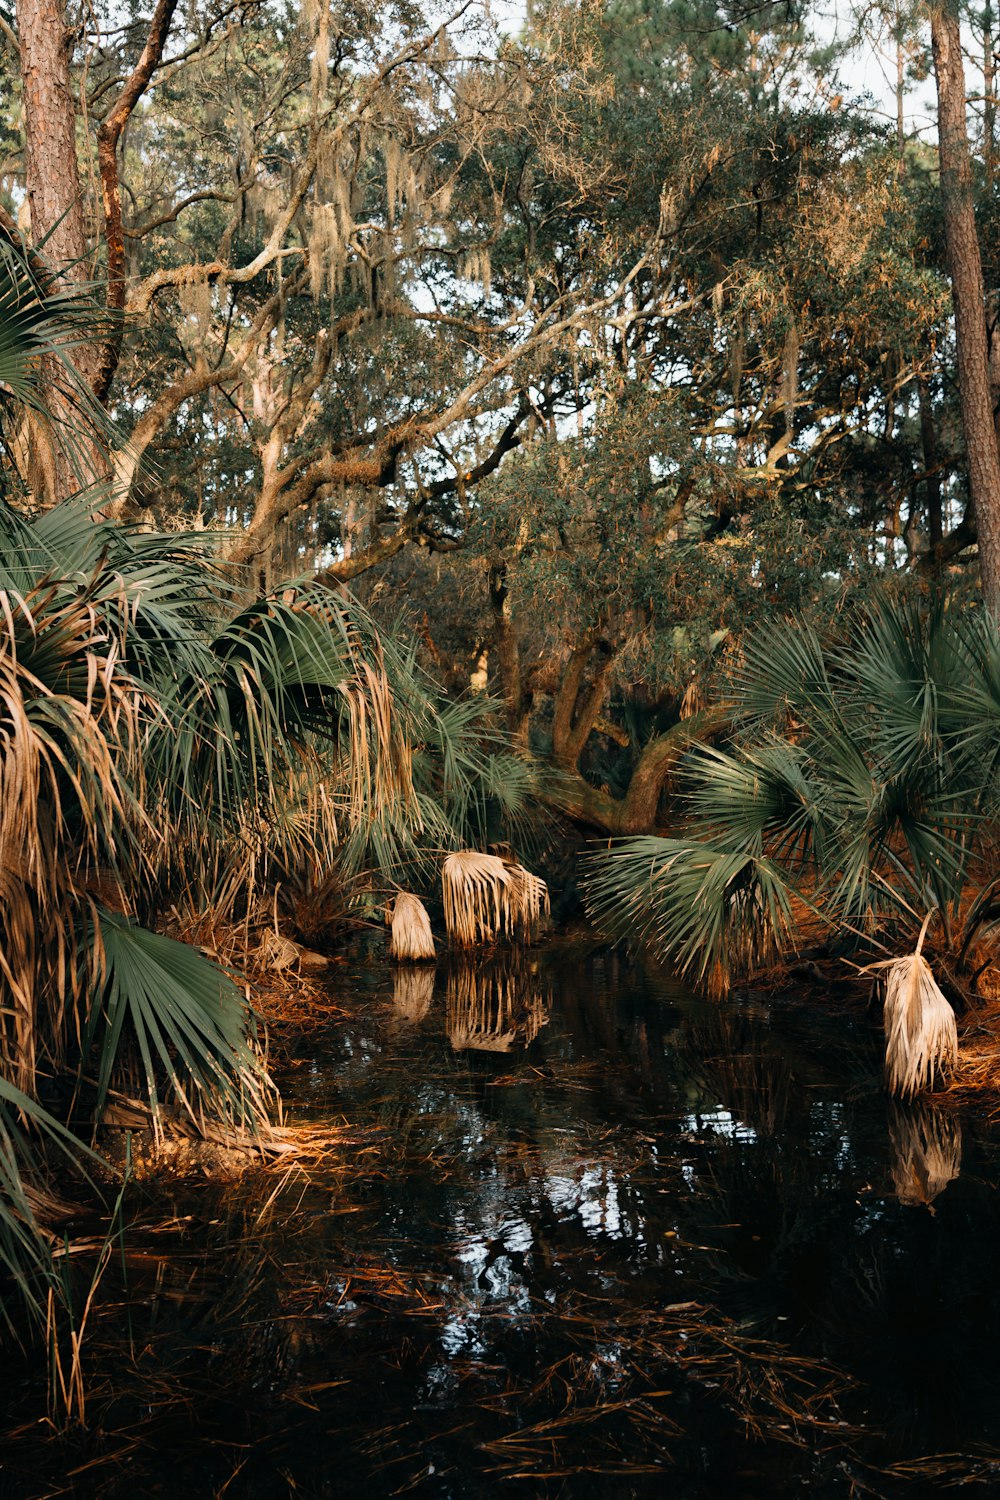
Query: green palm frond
864	772
784	677
759	798
42	322
710	913
185	1018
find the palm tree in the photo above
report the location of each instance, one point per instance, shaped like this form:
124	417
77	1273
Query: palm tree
168	742
42	321
860	788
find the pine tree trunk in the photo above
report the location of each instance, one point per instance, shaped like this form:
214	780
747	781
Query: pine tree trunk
965	266
52	181
51	172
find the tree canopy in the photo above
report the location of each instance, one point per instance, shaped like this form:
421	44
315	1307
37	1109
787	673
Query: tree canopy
636	312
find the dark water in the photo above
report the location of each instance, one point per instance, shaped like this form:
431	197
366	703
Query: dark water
585	1235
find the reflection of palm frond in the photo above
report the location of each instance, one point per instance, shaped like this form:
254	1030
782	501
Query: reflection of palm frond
412	991
492	1009
927	1150
411	940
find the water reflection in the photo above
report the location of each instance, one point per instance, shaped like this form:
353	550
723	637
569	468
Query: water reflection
493	1007
927	1151
412	991
663	1225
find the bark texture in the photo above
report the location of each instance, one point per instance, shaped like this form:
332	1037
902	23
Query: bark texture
108	136
965	267
52	182
51	171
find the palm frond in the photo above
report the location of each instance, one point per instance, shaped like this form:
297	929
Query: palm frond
921	1035
477	897
713	914
25	1245
184	1017
411	939
42	322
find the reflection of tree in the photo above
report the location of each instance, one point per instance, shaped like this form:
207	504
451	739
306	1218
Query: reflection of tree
412	992
490	1009
927	1145
730	1057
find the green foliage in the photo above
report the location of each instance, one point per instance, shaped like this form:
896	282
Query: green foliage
185	1018
864	778
42	323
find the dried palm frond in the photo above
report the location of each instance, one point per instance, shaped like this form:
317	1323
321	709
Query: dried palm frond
927	1145
412	992
529	901
411	940
277	951
921	1035
477	892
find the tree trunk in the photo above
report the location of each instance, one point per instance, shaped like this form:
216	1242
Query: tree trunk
634	813
508	654
658	759
51	173
965	266
932	483
52	182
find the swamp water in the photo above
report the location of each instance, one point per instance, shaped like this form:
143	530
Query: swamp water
585	1235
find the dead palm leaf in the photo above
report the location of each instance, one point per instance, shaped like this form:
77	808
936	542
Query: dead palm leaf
411	940
529	901
477	892
921	1035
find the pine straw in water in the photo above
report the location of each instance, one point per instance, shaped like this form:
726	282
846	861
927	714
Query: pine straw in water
609	1404
619	1370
